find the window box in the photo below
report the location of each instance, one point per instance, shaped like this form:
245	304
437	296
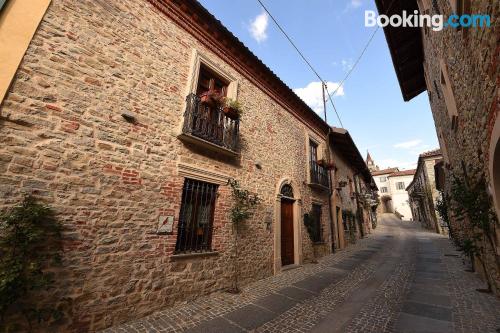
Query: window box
231	113
327	165
210	98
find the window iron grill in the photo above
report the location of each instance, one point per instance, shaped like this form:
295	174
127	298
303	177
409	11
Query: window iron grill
319	174
210	123
196	217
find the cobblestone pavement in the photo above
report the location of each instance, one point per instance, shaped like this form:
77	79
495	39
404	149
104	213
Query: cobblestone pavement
399	279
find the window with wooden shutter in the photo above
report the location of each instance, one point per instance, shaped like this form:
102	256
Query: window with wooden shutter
210	81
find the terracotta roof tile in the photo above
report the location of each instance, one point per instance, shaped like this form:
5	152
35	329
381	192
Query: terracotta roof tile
403	173
385	171
431	153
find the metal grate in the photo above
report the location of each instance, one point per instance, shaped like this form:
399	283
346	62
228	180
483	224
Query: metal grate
316	215
210	123
196	217
319	174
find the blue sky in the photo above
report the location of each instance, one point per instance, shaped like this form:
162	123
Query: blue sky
331	33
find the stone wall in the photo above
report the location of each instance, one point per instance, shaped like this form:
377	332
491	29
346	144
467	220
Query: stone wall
343	198
471	57
433	192
63	139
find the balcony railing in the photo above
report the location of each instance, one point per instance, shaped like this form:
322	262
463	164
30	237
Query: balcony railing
210	124
319	174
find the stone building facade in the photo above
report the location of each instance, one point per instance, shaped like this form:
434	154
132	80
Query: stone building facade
105	119
423	192
355	197
392	184
459	69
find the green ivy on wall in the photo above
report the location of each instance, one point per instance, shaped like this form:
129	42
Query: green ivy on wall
29	246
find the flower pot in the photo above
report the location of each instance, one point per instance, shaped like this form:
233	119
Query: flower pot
321	162
325	164
210	98
329	165
231	112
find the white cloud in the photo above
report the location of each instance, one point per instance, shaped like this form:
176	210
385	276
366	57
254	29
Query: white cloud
258	27
408	144
356	3
313	96
347	64
353	4
394	163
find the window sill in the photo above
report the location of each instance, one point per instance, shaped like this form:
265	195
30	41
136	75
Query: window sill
192	139
319	186
194	255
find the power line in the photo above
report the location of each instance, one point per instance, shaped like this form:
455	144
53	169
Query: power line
290	40
333	105
304	58
362	53
356	62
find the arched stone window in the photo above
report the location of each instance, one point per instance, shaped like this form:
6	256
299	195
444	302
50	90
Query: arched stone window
287	191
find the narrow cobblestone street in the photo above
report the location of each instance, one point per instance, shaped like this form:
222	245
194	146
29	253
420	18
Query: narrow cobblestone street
412	281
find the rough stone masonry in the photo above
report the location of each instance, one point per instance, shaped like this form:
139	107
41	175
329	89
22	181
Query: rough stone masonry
63	139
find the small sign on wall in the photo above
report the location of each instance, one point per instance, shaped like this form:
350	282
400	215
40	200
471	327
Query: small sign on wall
165	224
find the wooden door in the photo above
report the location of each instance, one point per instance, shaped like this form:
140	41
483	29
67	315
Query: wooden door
287	253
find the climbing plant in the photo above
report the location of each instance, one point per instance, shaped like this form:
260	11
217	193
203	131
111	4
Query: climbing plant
473	208
311	226
29	246
442	210
350	219
243	208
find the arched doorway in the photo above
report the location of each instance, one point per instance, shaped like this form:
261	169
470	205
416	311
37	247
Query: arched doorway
387	206
495	165
287	226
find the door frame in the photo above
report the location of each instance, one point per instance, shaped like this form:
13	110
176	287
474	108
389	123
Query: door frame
494	142
297	226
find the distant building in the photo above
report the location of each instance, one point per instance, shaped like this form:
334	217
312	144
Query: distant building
423	192
370	163
459	70
115	113
392	185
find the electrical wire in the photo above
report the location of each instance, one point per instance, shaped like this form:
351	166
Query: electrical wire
302	56
356	62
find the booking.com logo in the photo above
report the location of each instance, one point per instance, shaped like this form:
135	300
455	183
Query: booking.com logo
436	22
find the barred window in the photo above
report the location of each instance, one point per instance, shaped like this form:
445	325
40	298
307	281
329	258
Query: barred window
345	222
383	189
196	217
316	215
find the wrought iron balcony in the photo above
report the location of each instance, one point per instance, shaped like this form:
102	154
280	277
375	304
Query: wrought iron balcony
319	175
211	125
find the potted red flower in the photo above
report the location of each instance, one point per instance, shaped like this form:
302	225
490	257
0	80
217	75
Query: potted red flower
325	164
210	98
231	108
